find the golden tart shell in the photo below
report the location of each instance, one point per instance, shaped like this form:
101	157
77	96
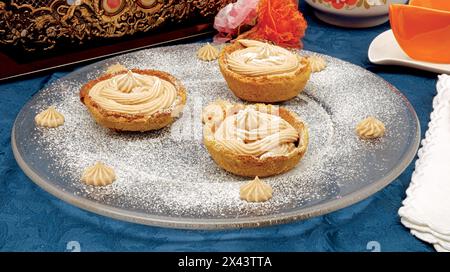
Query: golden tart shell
132	122
266	89
251	166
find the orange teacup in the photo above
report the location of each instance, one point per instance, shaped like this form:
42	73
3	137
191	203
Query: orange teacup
422	29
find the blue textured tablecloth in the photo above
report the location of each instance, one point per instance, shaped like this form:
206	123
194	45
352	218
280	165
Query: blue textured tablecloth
33	220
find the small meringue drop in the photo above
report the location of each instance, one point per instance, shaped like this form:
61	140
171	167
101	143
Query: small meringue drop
115	68
208	53
370	128
98	175
49	118
256	191
317	63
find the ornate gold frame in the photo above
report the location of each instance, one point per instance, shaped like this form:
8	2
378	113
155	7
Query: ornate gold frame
34	28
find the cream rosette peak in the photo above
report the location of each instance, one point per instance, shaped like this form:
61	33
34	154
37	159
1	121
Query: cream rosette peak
49	118
251	130
208	52
256	191
370	128
133	93
98	174
262	59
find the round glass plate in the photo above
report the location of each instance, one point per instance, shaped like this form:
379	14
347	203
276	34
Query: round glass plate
167	178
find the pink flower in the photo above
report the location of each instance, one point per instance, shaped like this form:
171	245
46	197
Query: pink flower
234	15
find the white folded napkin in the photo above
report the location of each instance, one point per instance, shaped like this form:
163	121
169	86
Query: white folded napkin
426	209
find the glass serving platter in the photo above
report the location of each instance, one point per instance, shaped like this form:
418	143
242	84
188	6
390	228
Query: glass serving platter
167	178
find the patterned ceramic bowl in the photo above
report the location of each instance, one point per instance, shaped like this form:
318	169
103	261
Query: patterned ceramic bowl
353	13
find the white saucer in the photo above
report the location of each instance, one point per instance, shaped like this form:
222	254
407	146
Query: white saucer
385	50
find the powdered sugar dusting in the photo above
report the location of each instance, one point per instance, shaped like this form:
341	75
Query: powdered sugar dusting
170	173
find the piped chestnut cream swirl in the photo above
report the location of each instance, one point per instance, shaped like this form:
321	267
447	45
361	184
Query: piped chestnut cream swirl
133	93
257	133
262	59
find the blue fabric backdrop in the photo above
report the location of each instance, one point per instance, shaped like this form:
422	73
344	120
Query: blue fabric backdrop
33	220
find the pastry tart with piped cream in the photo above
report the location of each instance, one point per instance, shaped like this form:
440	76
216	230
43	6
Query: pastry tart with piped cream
134	100
254	140
261	72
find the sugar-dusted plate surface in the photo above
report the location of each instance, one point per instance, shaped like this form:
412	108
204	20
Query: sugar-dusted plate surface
167	178
384	50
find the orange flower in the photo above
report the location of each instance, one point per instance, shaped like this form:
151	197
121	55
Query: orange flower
279	21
